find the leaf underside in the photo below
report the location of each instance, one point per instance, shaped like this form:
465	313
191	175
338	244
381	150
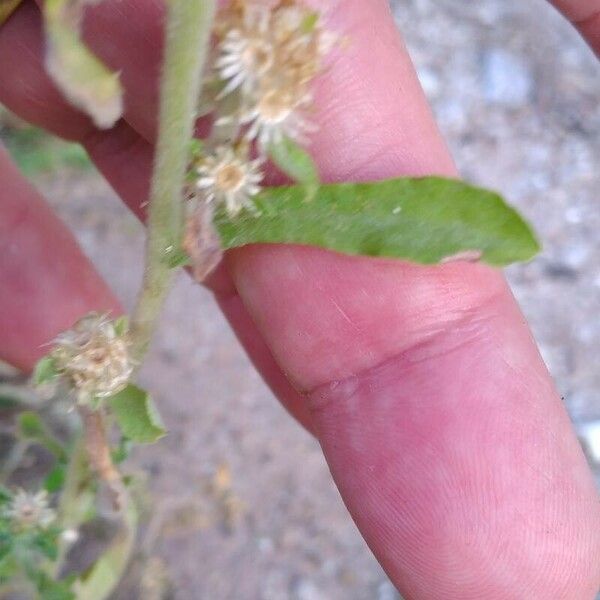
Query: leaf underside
136	415
425	220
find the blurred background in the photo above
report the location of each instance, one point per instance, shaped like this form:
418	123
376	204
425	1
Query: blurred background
243	502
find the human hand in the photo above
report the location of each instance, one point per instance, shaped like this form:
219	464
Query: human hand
435	412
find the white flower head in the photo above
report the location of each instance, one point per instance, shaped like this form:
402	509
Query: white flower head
30	510
276	114
228	177
246	53
93	358
270	53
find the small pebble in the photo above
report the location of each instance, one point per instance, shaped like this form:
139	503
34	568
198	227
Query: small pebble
386	591
506	78
307	590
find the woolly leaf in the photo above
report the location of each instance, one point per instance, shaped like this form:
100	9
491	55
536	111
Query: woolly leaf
294	161
137	415
427	220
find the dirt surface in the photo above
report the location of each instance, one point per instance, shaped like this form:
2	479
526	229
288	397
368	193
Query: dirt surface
247	508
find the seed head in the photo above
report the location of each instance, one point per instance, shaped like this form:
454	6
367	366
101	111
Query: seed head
93	358
27	510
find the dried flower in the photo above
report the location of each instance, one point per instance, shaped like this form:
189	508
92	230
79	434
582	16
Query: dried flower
228	177
275	115
30	510
94	358
244	57
270	55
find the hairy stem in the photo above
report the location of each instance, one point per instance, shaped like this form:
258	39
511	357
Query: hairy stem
189	24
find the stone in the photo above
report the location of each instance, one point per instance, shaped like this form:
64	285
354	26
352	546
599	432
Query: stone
307	590
387	591
506	78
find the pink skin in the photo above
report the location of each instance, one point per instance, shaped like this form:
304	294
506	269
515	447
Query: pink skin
437	417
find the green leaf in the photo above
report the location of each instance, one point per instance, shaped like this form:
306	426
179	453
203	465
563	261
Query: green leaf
5	495
50	589
196	148
83	78
121	325
7	402
294	161
137	415
44	371
309	22
122	451
31	427
46	542
55	480
178	257
428	220
8	567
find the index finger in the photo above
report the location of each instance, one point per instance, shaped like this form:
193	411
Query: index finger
585	15
437	417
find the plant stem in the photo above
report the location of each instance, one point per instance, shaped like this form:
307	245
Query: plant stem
189	24
14	458
98	452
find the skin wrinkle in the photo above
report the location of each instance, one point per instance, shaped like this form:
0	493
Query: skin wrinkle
441	295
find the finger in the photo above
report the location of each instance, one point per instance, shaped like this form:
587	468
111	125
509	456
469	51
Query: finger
25	88
29	92
46	281
585	15
436	415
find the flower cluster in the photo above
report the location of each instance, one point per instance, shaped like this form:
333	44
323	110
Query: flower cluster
266	58
93	357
